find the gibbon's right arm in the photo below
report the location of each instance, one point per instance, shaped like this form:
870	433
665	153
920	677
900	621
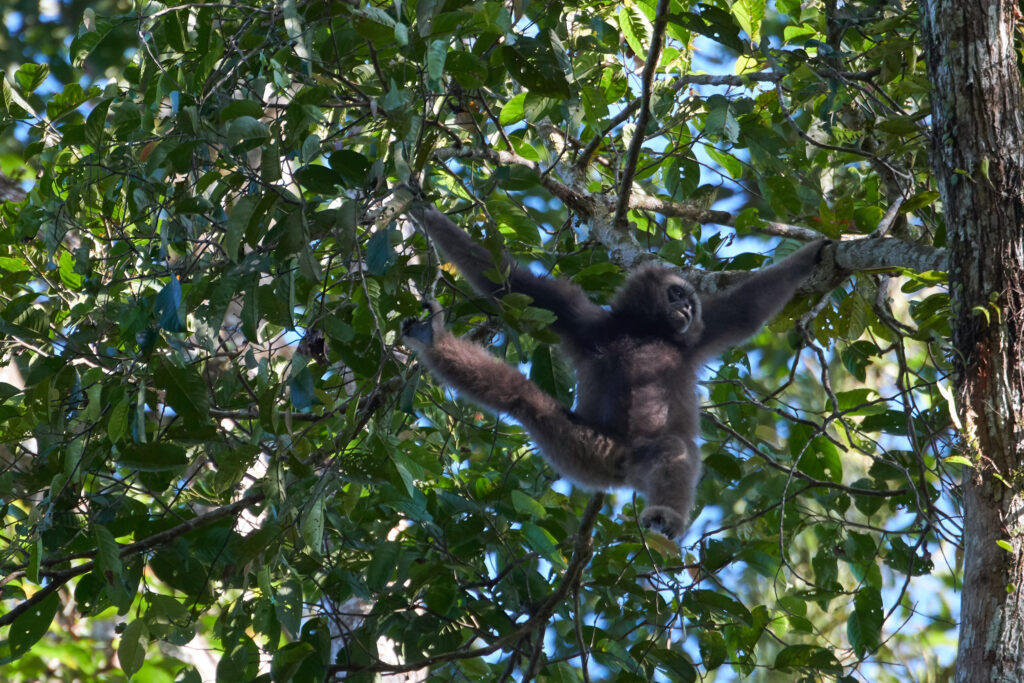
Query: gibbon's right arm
565	299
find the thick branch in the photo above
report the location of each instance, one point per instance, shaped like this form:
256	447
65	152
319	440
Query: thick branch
852	254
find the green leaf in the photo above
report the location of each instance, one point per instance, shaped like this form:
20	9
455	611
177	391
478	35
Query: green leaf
320	179
301	388
117	423
712	648
864	626
287	660
715	24
131	652
512	112
526	505
237	108
467	69
731	164
749	15
245	133
704	600
30	76
532	62
153	457
382	565
682	177
109	569
288	606
66	267
13	265
168	301
441	598
510	215
807	656
437	52
919	201
240	662
720	120
250	315
543	543
636	29
185	389
31	625
42	368
351	166
379	253
96	124
238	224
611	653
312	527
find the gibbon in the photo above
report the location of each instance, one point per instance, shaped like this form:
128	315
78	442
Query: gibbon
637	412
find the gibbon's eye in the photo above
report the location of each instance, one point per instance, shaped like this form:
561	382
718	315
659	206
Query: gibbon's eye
677	293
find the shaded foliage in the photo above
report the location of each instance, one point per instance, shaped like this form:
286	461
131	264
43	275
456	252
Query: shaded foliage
211	436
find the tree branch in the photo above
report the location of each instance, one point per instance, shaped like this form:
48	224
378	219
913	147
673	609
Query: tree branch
59	577
852	254
797	474
646	84
583	548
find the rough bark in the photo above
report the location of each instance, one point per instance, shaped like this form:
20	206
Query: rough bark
978	139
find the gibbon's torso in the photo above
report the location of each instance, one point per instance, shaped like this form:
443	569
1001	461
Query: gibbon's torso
635	384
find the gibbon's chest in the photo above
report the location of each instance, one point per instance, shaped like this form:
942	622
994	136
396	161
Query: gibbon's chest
631	385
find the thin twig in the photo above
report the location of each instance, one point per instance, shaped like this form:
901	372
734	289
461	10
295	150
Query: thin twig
646	85
583	548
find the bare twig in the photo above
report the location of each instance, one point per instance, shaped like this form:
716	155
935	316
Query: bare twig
646	85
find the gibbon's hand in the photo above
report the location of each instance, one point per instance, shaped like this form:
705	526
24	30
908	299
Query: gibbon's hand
420	334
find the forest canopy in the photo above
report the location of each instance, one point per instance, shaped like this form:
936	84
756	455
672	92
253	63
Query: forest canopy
218	461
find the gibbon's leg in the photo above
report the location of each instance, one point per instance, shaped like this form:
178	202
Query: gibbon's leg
575	450
666	472
572	308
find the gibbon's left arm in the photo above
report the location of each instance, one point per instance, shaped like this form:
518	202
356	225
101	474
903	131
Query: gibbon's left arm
739	312
573	309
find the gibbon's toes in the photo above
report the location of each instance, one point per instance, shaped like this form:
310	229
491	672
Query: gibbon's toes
417	333
665	520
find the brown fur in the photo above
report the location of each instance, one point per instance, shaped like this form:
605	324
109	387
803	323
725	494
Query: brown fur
637	415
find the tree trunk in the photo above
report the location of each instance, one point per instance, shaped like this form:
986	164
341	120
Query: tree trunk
977	158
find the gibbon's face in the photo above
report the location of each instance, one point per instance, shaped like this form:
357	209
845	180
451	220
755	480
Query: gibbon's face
682	306
662	298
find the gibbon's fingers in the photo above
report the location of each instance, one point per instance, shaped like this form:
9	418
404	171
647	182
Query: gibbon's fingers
421	334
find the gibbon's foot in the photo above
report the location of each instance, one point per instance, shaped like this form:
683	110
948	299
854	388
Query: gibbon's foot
664	520
421	334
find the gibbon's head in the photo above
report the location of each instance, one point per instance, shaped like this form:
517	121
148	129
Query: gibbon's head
661	299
